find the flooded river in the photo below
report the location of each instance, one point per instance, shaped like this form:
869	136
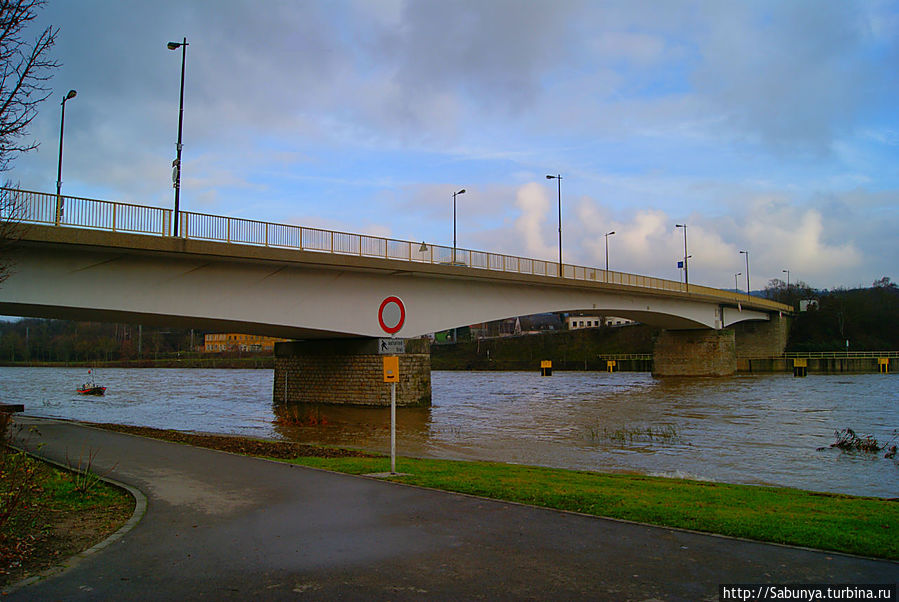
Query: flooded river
746	429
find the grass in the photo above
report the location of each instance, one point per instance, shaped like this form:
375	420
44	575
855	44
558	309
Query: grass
855	525
53	519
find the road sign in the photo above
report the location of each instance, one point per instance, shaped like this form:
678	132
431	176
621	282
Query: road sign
391	369
391	346
391	315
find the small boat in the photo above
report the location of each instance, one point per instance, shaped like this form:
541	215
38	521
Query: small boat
90	387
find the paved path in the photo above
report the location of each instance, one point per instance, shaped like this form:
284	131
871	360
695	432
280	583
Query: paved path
221	526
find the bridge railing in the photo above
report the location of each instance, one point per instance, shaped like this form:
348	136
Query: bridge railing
62	210
42	208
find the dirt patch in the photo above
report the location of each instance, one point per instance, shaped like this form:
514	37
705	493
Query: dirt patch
283	450
42	536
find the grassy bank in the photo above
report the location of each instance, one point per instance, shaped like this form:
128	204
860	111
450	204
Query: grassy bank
568	349
855	525
48	515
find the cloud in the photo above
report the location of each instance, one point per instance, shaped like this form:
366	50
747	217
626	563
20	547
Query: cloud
531	224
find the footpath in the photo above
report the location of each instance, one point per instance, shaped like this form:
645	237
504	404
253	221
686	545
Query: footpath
221	526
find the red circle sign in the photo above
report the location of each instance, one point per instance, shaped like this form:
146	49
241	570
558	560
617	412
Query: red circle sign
391	315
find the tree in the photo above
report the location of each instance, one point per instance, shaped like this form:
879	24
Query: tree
25	67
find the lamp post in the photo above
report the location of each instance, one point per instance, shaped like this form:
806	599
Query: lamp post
454	223
559	179
747	270
607	235
62	123
737	286
787	272
686	269
177	166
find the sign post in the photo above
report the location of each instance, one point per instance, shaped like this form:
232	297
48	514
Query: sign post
391	316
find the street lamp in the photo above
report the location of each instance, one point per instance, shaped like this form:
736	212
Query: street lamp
747	270
607	235
737	286
787	272
686	268
62	122
454	223
559	179
177	165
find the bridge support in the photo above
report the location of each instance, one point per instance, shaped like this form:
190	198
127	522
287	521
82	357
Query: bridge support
761	338
695	353
349	372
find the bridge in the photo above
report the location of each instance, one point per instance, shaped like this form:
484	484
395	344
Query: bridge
89	259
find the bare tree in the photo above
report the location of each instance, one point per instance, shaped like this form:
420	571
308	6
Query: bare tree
25	69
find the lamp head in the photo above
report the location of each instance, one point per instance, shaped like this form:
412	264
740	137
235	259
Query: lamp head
553	177
71	94
610	233
173	45
461	191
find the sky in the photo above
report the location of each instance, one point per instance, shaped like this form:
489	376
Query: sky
770	127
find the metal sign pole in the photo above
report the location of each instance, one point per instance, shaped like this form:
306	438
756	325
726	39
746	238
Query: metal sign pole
392	428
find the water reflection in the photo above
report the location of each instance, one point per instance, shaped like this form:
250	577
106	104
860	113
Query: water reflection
746	429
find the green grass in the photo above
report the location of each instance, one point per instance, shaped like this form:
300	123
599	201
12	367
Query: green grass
855	525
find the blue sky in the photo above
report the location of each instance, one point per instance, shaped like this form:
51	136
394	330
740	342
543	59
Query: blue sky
767	126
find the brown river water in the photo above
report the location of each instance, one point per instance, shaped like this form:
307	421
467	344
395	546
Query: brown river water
756	429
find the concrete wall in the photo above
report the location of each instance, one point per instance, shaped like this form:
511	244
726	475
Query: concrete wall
349	372
694	353
815	365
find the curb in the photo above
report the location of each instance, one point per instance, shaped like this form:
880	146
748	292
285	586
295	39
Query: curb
140	508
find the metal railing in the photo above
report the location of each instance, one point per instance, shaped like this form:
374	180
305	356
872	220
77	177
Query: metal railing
823	355
45	208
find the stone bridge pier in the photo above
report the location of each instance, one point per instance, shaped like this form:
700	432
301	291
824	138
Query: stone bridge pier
349	372
715	352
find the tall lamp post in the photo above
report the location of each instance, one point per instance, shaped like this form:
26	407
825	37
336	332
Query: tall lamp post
746	253
177	166
737	286
686	269
62	123
454	223
558	178
787	272
607	235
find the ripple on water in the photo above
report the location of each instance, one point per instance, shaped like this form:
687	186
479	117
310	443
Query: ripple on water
745	429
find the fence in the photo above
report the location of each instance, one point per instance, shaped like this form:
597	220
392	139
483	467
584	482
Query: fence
43	208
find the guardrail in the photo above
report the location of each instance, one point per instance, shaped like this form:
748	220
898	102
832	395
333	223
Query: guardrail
67	211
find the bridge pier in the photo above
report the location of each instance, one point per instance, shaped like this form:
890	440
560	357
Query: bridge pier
695	353
349	372
762	338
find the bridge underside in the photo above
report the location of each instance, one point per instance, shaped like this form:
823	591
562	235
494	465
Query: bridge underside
302	295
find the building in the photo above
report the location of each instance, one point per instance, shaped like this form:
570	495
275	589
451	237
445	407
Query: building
573	322
220	342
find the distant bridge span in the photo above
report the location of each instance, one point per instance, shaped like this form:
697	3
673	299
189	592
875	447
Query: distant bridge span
115	262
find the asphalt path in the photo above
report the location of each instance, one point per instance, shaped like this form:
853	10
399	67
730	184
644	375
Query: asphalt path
222	526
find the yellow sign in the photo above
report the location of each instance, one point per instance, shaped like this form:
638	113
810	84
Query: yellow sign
391	369
800	363
546	364
883	361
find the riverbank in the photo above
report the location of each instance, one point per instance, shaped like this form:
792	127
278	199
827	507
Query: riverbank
856	525
253	362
